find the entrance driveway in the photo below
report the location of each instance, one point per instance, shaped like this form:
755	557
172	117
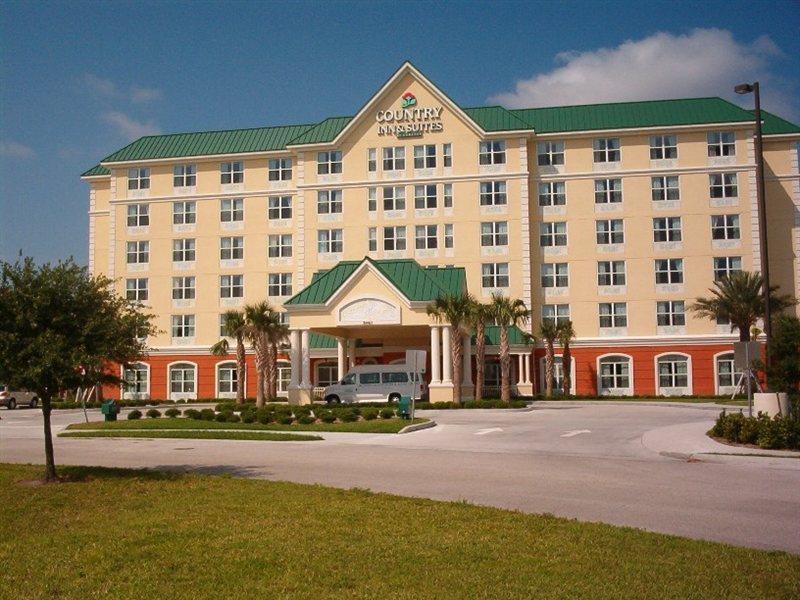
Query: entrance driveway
587	461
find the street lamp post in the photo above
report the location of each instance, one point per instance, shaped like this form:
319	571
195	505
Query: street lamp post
747	88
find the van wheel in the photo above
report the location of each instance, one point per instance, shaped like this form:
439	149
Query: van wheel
394	398
12	404
333	400
34	403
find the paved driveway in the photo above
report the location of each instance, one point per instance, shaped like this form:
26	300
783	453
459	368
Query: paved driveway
586	461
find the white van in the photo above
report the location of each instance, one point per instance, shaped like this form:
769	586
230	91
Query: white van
376	383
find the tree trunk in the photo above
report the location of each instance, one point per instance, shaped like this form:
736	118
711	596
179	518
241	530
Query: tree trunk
480	356
457	358
272	371
744	333
548	368
261	367
241	368
49	458
566	367
505	360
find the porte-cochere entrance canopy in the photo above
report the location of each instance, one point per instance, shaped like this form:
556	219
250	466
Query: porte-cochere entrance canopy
376	303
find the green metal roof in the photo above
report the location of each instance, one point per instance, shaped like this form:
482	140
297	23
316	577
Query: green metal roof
774	125
625	115
516	337
416	283
95	171
496	118
320	340
322	132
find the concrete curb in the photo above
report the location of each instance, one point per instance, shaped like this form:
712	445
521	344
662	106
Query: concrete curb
695	405
417	427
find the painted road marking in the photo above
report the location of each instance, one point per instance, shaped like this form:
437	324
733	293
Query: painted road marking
575	432
490	430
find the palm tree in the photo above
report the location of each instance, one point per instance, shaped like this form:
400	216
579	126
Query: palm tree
739	299
257	317
566	333
457	311
507	313
234	327
480	316
276	334
549	332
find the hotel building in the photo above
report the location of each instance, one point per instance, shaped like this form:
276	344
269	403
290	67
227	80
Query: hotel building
615	216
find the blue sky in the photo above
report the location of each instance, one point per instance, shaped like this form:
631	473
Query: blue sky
79	80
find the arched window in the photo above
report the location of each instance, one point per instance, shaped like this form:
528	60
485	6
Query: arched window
182	381
615	375
227	380
673	372
727	375
136	382
284	376
327	374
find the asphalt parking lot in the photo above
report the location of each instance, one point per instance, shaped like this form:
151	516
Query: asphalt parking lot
647	466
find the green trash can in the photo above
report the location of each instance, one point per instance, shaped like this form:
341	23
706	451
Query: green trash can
404	407
109	409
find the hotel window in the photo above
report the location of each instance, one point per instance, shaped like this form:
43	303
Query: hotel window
721	143
727	374
231	286
231	172
327	374
448	235
447	155
136	290
607	191
394	198
448	195
427	237
606	150
231	248
137	253
494	233
372	200
280	208
135	378
725	266
611	272
279	246
139	178
223	330
184	176
424	196
615	373
183	250
279	284
610	231
182	326
555	314
184	213
183	288
550	153
231	209
669	270
329	202
181	378
394	238
553	234
394	158
138	215
723	185
492	153
725	227
552	193
673	371
494	275
665	188
667	229
329	163
555	275
280	169
670	313
372	239
372	160
663	146
329	241
227	378
493	193
425	156
613	314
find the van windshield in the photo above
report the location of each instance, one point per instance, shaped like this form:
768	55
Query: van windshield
349	379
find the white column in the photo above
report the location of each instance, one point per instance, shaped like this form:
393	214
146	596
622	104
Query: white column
305	380
528	367
447	356
467	368
436	362
351	353
520	375
341	357
294	338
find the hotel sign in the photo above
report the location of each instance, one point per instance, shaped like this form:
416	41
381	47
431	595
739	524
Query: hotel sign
409	120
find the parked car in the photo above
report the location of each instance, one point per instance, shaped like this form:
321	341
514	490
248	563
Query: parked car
13	398
376	383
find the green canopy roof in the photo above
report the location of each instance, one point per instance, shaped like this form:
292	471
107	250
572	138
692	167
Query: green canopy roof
516	337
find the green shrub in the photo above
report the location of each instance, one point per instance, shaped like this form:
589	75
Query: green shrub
348	415
327	416
192	413
265	416
153	413
249	417
732	426
222	417
300	411
306	419
387	413
232	417
225	407
749	431
134	415
172	413
778	432
286	419
369	414
207	414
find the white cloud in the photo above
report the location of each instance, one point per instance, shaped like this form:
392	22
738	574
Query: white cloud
704	62
16	150
100	86
142	94
129	127
107	89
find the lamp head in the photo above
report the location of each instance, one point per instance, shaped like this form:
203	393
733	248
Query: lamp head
743	88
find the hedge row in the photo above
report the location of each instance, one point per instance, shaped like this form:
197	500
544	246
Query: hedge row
770	433
284	415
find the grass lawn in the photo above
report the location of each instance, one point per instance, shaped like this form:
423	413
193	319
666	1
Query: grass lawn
220	434
136	534
374	426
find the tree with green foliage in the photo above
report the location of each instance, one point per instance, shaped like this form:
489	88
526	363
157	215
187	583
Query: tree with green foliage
507	313
784	350
548	330
277	332
480	316
566	333
454	311
257	324
60	329
235	326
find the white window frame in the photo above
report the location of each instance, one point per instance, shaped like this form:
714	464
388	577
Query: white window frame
723	185
231	380
550	153
138	178
447	155
663	147
667	229
372	160
184	287
555	313
138	215
231	247
492	152
426	237
669	390
614	359
670	313
329	162
332	372
139	251
183	394
231	286
372	200
394	238
372	239
394	158
184	176
553	234
184	250
135	290
494	234
612	315
447	195
425	196
493	193
279	285
425	156
329	202
231	172
552	193
496	274
330	241
138	382
607	233
670	270
665	188
728	270
279	245
231	210
184	212
183	326
279	208
394	198
608	190
725	227
279	169
606	150
555	275
735	375
721	143
614	275
448	236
